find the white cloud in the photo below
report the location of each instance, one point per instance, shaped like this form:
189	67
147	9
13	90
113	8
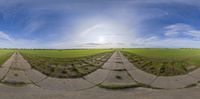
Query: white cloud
6	41
181	29
33	26
176	36
5	36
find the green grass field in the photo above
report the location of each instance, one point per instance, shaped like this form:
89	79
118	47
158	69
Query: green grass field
165	62
190	55
4	55
66	63
65	53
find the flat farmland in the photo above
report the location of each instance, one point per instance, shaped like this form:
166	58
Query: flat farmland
65	53
67	63
165	62
4	55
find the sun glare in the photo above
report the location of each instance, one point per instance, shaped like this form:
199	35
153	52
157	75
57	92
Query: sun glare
101	40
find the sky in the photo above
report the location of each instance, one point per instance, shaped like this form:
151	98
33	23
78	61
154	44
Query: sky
66	24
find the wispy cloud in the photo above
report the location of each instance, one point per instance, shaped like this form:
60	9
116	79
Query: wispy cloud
6	41
5	36
33	26
180	29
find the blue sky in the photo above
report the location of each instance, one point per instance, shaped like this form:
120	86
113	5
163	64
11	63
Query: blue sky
99	23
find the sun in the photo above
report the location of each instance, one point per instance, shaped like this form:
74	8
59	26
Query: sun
101	39
101	34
